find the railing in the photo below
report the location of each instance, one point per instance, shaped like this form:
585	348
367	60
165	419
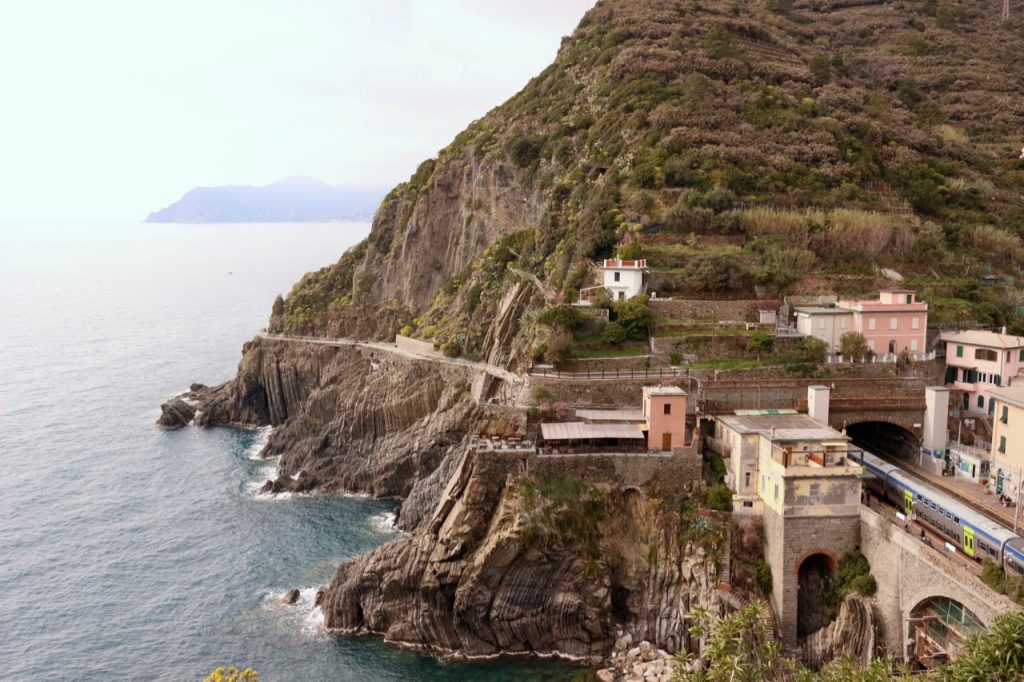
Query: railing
886	358
612	374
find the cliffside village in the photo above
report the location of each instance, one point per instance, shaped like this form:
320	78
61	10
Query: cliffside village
925	427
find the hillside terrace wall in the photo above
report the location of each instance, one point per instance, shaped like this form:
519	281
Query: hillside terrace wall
713	310
680	470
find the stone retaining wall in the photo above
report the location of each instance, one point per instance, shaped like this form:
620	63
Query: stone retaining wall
714	310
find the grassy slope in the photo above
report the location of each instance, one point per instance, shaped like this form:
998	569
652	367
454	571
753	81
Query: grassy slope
839	136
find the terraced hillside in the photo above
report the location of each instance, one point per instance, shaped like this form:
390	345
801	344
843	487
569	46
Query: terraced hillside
793	145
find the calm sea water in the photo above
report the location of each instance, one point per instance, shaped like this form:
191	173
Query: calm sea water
127	552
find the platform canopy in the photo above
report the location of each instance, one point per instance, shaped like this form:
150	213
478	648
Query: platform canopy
584	431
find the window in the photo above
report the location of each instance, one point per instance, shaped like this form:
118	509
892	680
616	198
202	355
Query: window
668	408
910	299
894	323
1002	444
871	323
915	323
618	276
821	323
815	489
981	401
871	345
913	344
959	351
997	380
746	480
776	491
985	354
1021	356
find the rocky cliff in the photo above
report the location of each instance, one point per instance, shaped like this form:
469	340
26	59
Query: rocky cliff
514	563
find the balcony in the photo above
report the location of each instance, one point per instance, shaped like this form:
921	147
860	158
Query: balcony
828	460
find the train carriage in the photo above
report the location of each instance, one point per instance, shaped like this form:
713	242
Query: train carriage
974	534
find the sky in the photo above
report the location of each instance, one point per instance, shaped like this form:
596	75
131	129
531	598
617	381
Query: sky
111	109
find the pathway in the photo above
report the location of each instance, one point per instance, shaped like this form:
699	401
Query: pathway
493	370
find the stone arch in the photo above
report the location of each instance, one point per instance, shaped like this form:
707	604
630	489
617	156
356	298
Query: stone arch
884	435
937	627
815	572
830	558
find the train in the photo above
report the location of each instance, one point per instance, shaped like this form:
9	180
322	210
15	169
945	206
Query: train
975	534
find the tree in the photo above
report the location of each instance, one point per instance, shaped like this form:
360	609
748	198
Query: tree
563	317
760	342
631	251
601	298
634	316
853	345
811	349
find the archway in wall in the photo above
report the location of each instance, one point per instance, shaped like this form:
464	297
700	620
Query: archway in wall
884	438
938	628
814	578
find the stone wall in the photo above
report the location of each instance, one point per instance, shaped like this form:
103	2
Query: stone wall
788	542
681	469
687	309
908	572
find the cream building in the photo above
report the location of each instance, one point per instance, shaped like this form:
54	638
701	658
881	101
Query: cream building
1008	440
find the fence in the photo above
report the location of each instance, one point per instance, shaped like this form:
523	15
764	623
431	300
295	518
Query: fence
886	358
612	374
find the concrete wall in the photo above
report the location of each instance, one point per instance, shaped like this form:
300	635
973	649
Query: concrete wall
908	572
713	311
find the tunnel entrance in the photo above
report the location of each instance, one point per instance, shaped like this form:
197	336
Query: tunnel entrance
815	577
885	438
938	628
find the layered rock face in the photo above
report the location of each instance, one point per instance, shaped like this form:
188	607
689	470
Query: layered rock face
347	419
852	634
478	579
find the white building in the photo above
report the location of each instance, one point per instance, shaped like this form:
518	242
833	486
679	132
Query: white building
624	279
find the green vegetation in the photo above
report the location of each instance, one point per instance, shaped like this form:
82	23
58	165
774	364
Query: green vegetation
853	345
853	576
562	509
1011	585
741	647
816	157
720	498
761	342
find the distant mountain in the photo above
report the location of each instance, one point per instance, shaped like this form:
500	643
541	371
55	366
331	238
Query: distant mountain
294	200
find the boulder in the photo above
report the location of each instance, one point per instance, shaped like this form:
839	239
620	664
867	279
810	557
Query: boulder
176	413
606	675
290	597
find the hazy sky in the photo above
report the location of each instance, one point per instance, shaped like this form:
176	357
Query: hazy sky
114	108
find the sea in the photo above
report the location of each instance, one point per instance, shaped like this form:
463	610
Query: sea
129	552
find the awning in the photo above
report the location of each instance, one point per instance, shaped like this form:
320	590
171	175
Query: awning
583	431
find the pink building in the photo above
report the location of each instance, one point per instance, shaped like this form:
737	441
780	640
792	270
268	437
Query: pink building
895	322
664	411
977	361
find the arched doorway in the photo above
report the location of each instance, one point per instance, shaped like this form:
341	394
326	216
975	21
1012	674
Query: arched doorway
892	347
815	580
938	628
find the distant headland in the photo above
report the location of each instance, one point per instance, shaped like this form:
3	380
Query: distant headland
295	200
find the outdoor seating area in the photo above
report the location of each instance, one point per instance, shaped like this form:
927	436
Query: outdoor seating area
486	443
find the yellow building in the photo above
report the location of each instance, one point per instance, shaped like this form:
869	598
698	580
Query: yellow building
1008	439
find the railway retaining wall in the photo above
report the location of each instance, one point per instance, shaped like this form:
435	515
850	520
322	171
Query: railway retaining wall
908	572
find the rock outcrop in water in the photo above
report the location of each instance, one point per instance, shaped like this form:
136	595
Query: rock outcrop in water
481	577
852	634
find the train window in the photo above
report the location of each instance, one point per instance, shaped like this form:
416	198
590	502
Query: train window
956	519
949	515
932	505
919	497
941	510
